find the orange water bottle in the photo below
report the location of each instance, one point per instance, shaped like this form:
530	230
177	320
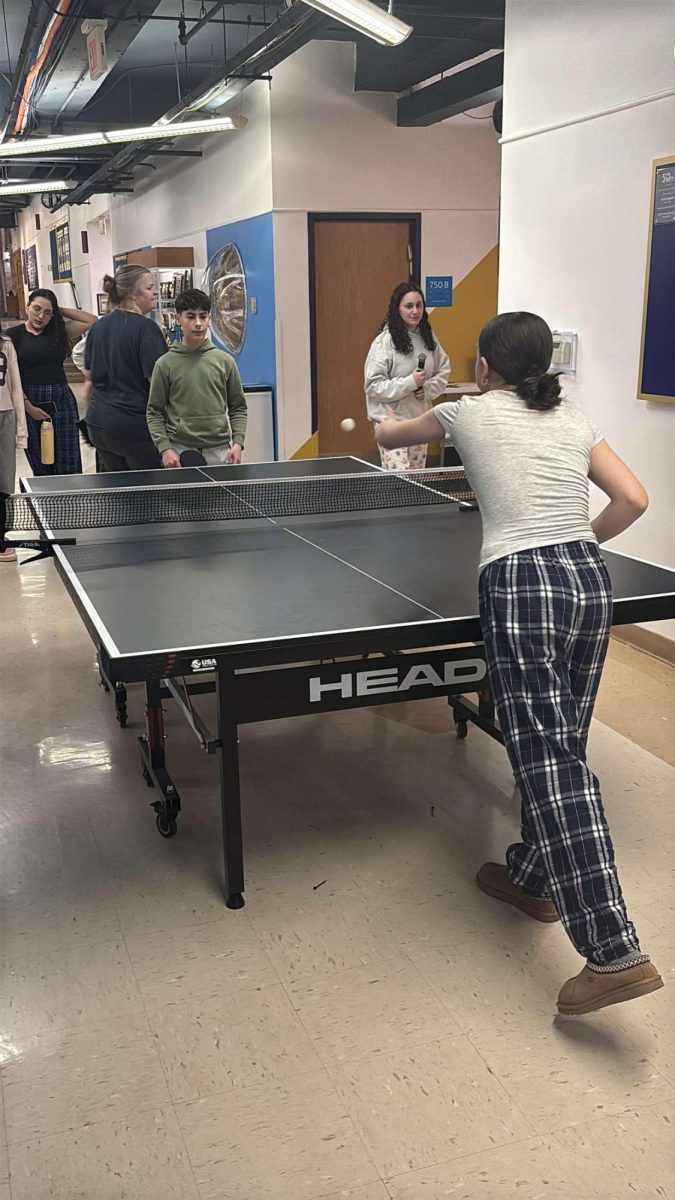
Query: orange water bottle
47	443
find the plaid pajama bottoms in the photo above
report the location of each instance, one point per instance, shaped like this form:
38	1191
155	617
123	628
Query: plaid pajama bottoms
546	616
58	400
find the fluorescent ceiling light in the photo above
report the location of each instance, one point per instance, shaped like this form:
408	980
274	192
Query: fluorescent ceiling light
184	129
367	18
111	137
43	185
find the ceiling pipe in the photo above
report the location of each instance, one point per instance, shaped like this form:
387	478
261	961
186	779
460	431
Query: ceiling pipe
293	23
19	74
184	38
51	34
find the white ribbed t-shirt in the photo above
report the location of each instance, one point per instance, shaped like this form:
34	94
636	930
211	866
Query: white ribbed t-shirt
529	469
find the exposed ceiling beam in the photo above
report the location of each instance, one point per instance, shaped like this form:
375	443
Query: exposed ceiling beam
374	71
177	154
75	157
287	33
490	33
65	86
470	10
292	29
35	25
453	95
111	166
184	38
446	26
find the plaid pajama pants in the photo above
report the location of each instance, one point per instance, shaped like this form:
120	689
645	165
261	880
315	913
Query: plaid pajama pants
57	399
546	616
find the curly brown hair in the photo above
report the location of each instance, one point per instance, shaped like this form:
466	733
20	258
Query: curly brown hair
400	334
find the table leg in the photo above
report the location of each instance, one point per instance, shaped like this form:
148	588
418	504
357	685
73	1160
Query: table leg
120	695
154	761
230	794
481	714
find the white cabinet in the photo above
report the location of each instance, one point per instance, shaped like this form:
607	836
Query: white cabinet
261	429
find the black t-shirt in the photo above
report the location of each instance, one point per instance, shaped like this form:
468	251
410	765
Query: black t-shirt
40	356
120	352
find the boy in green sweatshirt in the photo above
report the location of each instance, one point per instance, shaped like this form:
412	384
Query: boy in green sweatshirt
196	398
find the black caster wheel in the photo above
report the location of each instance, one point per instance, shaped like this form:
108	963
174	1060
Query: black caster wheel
103	683
147	776
461	729
166	825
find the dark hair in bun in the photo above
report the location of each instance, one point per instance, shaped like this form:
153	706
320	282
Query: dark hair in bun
518	346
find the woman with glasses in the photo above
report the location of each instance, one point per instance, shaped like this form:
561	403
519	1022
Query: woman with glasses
42	343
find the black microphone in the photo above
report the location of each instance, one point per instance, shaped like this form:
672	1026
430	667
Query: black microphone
421	359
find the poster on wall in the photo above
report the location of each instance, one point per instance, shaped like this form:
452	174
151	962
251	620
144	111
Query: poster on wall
30	268
657	362
62	267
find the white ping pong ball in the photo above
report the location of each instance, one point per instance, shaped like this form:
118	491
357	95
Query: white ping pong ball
348	424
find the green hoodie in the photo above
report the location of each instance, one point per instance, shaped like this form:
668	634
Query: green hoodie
196	399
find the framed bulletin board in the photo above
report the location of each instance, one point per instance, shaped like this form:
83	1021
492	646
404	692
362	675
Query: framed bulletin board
59	238
30	268
657	360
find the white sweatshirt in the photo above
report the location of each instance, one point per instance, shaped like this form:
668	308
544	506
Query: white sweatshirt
11	390
389	382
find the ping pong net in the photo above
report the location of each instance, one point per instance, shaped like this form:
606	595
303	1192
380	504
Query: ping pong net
95	508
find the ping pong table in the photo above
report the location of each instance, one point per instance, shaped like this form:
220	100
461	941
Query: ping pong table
281	614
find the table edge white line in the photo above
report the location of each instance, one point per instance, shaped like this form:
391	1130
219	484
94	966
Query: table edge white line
103	632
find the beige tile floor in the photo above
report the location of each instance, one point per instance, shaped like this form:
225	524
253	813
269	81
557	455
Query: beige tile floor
388	1035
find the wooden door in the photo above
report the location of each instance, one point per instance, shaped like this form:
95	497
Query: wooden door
357	264
17	282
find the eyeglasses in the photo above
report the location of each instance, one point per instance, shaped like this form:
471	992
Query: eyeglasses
41	312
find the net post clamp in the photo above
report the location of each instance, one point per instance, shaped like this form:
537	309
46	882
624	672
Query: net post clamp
43	547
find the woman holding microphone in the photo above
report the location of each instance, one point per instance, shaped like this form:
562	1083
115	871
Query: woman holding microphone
406	371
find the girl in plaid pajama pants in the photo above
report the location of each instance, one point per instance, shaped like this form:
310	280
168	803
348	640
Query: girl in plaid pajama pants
42	344
545	604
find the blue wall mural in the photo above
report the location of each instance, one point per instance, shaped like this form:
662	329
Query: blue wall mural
240	279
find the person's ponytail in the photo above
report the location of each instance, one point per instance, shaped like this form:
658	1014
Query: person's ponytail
518	346
108	285
120	289
539	390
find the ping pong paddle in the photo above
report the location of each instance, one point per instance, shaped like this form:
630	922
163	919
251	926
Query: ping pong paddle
192	458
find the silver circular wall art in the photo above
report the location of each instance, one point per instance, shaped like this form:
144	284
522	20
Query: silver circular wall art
225	281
